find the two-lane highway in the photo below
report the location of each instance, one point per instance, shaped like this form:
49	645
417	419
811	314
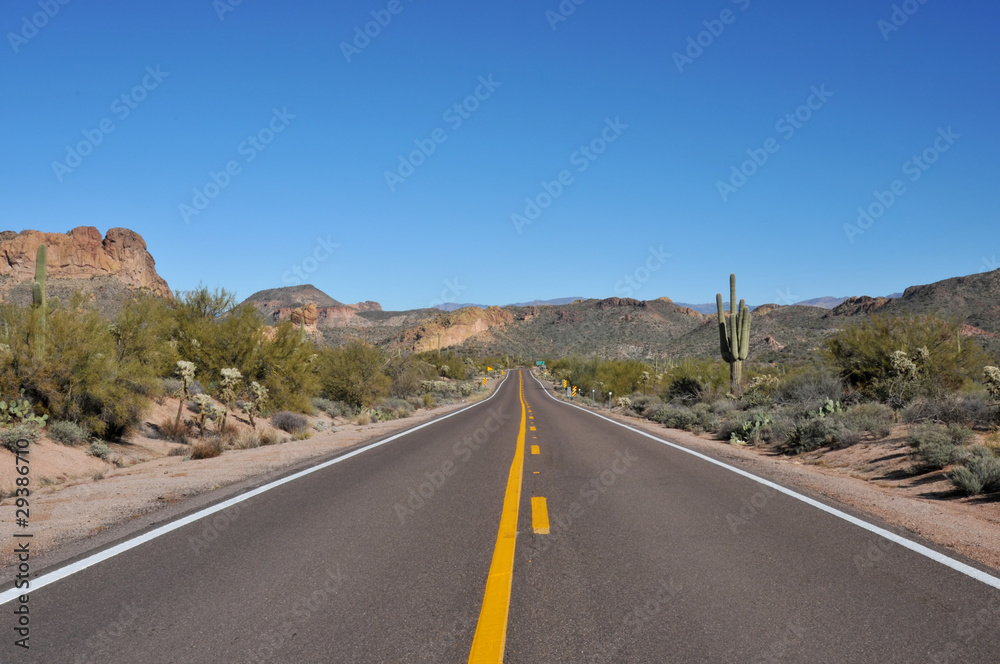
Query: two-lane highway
525	529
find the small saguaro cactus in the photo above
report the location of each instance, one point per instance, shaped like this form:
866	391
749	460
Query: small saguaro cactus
38	301
734	339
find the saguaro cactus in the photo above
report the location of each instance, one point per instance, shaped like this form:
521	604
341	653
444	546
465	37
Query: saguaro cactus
734	339
38	301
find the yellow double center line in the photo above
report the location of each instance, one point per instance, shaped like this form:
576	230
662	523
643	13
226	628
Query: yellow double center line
491	631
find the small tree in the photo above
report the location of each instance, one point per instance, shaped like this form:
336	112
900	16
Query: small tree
185	370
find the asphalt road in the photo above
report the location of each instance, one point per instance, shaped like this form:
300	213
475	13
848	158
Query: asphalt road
652	555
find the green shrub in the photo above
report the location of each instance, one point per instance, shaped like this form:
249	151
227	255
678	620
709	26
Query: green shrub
894	359
751	433
874	418
813	434
99	450
66	433
779	429
933	447
685	389
289	422
10	437
808	387
979	473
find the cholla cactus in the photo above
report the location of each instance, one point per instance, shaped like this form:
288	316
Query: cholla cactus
185	371
258	397
229	392
903	365
624	402
205	407
991	376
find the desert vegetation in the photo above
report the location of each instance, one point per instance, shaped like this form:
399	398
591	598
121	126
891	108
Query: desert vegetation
91	378
911	374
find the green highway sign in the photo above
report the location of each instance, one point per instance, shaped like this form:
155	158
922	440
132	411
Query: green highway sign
540	363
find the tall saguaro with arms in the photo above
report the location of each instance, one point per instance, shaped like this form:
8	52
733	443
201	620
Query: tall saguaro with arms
734	339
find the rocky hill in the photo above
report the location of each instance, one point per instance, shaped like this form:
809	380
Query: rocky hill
105	268
626	328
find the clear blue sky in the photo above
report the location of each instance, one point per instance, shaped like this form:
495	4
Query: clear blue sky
446	230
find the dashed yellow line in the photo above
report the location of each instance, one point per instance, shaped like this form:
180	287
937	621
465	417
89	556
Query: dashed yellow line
539	515
535	450
533	428
491	630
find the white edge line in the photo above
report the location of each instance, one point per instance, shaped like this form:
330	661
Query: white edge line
101	556
936	556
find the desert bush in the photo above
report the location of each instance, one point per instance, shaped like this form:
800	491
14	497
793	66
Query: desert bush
267	437
99	449
178	450
363	418
88	373
399	407
979	473
966	409
732	422
808	387
752	431
66	433
289	422
779	429
171	429
675	416
705	418
685	389
814	433
206	448
354	374
934	447
874	418
9	437
894	359
334	408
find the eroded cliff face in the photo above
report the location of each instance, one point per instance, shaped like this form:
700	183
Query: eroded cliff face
454	328
81	254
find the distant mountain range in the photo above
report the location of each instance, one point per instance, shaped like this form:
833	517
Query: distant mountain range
452	306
